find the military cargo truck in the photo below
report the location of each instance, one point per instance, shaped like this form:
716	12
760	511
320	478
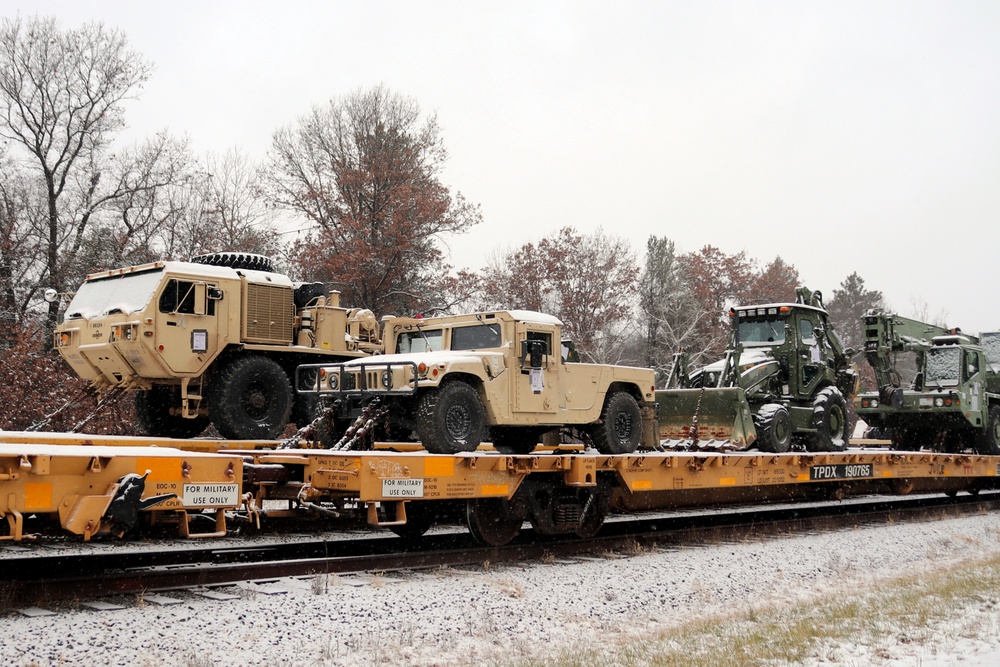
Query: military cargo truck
953	402
784	378
454	381
214	340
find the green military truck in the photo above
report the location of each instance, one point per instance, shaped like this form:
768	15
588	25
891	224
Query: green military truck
214	340
953	402
785	378
455	381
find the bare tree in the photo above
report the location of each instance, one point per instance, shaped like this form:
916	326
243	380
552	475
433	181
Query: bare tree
668	312
366	171
20	249
61	95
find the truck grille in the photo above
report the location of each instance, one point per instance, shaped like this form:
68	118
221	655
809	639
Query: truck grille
269	314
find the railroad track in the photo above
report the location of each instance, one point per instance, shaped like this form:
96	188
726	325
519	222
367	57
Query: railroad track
46	579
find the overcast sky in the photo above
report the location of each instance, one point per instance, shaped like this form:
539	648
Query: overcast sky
841	136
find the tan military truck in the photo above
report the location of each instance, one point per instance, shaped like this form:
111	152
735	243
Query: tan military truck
457	380
216	339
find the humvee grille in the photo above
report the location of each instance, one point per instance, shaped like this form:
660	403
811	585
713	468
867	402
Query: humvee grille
269	314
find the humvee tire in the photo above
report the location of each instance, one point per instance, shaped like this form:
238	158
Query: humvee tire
620	428
451	418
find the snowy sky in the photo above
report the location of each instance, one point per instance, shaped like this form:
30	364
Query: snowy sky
842	136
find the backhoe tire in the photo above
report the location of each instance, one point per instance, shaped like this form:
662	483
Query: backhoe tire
774	428
451	418
989	440
152	410
620	428
830	421
250	398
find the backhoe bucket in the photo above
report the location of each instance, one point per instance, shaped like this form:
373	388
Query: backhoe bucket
721	416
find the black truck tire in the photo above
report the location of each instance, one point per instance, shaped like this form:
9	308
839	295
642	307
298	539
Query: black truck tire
774	428
152	411
620	428
989	440
250	398
451	418
830	421
237	260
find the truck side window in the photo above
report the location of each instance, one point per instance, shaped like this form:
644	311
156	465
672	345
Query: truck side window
545	337
478	337
178	297
806	332
971	365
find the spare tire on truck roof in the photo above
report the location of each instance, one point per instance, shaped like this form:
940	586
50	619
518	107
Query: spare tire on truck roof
237	260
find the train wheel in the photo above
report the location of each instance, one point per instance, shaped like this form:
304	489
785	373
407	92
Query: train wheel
419	519
774	428
620	428
830	422
989	441
451	419
595	510
152	410
513	439
250	399
493	521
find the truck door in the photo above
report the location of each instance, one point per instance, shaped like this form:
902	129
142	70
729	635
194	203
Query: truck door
536	379
809	356
186	327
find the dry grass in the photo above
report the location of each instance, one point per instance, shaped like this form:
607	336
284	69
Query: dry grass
898	612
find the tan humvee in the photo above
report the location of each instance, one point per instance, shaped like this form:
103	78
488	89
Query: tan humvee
449	378
214	340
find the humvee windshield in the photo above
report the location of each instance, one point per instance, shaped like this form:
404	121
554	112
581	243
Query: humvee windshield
762	331
126	294
943	366
419	341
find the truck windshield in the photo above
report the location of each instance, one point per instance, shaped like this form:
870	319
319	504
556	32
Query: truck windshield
759	331
943	366
125	294
419	341
991	346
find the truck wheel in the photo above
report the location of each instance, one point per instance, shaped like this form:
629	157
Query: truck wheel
830	421
620	428
451	419
513	439
774	428
989	440
152	410
250	398
237	260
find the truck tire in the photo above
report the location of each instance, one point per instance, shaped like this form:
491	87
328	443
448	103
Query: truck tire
250	398
830	421
620	428
774	428
451	418
237	260
514	439
152	411
989	440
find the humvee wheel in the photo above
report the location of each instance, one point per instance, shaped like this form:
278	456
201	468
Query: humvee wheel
152	410
830	421
620	428
989	441
513	439
250	399
774	428
451	419
492	521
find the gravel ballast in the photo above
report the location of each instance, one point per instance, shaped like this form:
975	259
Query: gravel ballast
488	615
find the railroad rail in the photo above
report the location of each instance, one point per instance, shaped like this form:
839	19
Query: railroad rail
34	579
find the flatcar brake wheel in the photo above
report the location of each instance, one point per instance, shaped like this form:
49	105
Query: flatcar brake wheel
492	521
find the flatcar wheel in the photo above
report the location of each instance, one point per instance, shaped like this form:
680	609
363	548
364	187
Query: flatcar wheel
493	521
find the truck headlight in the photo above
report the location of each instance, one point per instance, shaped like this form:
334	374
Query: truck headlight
874	403
387	379
938	402
332	381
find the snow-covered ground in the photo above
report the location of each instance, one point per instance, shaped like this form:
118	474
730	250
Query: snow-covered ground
500	614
